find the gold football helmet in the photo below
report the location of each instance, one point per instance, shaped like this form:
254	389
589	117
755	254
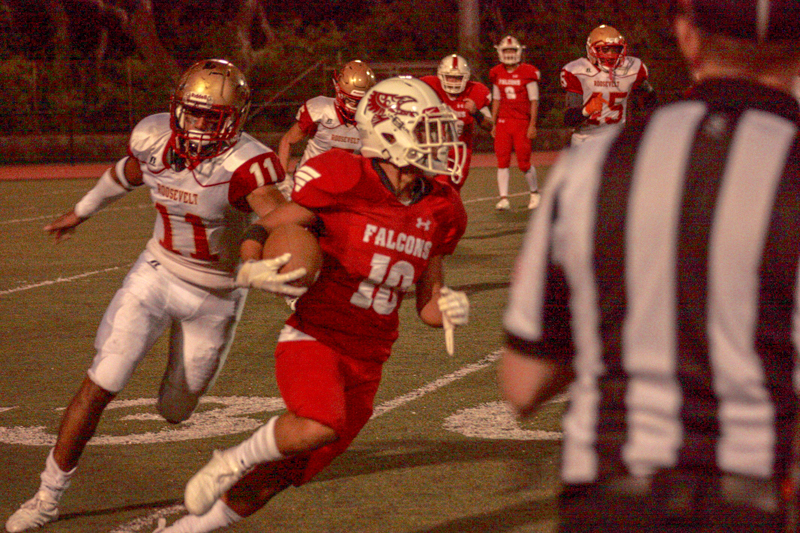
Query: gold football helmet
208	110
351	83
509	50
606	48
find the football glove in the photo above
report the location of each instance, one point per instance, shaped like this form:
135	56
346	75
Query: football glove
454	306
594	105
264	275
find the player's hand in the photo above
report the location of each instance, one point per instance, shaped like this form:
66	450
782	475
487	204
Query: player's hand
494	129
470	106
594	105
531	133
64	226
264	275
454	306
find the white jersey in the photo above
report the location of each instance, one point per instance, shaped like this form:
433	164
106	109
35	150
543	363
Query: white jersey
582	77
322	123
202	212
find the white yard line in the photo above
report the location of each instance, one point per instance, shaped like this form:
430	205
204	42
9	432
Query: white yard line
490	198
144	523
53	217
57	280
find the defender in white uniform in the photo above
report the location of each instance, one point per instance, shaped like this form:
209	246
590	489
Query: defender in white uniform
330	122
207	180
599	85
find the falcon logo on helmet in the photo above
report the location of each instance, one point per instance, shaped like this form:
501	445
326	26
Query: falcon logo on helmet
208	110
453	73
509	50
402	120
383	105
351	83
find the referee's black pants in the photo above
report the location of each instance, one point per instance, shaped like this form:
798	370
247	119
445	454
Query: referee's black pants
675	502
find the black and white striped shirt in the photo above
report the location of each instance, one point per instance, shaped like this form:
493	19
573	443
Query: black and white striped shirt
663	263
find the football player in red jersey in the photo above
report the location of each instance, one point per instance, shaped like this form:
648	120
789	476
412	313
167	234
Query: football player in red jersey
599	85
330	122
206	178
469	100
515	107
384	226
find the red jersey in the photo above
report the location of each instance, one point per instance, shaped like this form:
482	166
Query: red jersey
477	92
375	248
513	88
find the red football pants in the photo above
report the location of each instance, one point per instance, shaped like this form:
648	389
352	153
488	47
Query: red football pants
330	387
511	134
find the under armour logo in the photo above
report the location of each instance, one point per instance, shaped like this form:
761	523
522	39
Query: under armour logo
152	160
423	223
153	263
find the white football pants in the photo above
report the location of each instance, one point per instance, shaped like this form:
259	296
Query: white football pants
202	326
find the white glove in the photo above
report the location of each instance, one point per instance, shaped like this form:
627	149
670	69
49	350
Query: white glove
264	275
454	306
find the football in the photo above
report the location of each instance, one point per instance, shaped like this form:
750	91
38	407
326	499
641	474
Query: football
303	246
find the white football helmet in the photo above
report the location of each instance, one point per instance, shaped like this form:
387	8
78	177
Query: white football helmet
454	74
403	121
509	50
208	109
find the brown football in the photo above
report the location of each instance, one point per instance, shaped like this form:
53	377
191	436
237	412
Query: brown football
303	246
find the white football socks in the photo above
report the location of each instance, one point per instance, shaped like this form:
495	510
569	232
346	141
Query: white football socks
54	480
260	447
220	515
530	177
503	177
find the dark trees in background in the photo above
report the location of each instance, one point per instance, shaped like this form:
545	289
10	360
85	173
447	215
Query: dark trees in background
275	41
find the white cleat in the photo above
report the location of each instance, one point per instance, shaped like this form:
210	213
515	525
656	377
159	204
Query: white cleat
34	513
534	201
162	525
503	205
212	481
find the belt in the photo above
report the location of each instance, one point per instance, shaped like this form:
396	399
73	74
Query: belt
681	491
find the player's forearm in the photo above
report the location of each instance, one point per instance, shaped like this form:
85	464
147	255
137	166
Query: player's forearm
110	187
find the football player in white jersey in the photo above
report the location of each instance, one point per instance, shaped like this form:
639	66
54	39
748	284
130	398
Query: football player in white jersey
207	179
599	85
330	122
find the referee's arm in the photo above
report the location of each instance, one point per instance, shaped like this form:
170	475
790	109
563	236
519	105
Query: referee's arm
527	382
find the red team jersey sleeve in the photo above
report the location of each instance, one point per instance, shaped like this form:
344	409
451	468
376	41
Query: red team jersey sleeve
570	82
306	122
263	169
323	178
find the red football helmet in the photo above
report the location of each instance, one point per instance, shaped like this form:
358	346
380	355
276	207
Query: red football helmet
208	110
606	48
351	83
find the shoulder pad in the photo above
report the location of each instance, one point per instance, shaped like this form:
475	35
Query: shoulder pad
150	136
320	108
247	148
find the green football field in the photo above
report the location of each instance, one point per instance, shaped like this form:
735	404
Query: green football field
441	455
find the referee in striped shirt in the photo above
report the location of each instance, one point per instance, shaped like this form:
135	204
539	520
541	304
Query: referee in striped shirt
659	281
